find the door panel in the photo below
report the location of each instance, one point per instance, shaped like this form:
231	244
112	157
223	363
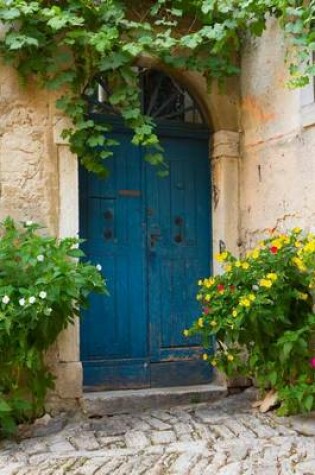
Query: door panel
152	237
114	329
179	210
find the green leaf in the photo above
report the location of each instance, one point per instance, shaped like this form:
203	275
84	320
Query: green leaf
308	402
4	406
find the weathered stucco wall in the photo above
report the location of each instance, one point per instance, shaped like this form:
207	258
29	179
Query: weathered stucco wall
28	163
278	164
32	160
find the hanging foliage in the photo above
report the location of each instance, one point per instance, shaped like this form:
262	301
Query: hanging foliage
65	45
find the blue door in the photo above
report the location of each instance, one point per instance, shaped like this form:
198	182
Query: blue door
152	237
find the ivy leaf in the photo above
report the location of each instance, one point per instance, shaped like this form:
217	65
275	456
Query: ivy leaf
9	14
16	41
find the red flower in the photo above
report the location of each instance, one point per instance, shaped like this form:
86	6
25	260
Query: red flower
312	362
205	310
274	249
220	287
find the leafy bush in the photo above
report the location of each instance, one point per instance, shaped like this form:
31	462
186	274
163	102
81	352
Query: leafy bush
260	310
42	288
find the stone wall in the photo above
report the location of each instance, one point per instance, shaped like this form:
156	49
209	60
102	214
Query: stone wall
278	143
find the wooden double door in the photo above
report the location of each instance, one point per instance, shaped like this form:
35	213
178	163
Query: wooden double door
152	237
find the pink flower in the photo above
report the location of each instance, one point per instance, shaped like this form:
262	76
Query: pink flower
205	310
312	362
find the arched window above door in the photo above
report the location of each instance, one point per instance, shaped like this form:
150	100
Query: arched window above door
162	98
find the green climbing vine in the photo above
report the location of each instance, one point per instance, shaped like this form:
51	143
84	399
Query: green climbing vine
64	45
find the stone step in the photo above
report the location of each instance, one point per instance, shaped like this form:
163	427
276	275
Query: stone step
96	404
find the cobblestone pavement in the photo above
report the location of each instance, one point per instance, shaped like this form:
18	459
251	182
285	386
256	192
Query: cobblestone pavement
222	438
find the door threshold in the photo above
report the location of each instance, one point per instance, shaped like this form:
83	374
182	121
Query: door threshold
99	404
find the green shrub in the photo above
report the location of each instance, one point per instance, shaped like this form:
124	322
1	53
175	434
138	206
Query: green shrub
260	311
43	285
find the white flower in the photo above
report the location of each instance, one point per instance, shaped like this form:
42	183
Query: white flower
255	287
32	300
22	302
28	223
5	299
40	258
47	311
43	294
98	267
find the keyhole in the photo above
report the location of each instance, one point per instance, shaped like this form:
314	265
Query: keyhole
108	234
178	220
178	238
108	214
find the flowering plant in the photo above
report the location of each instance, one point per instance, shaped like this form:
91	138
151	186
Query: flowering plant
260	311
42	287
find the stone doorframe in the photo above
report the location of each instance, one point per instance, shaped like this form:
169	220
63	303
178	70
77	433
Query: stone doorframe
222	111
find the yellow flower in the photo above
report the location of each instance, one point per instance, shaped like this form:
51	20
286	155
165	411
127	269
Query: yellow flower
205	357
200	282
207	297
255	254
277	243
309	247
238	264
234	313
186	332
272	276
299	264
230	357
221	256
265	283
283	238
213	362
245	265
302	296
213	323
198	297
297	230
209	282
245	302
200	322
252	297
228	268
298	244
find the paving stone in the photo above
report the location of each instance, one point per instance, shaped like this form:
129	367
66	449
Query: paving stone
193	447
184	463
85	441
136	439
157	424
61	446
182	428
234	468
163	437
